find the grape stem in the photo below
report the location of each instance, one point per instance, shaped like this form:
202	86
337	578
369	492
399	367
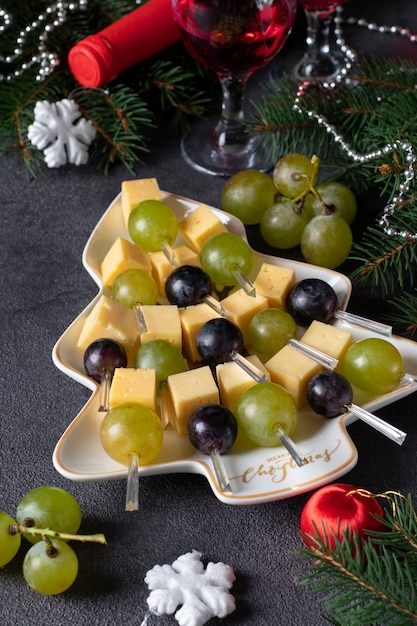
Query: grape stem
315	161
14	529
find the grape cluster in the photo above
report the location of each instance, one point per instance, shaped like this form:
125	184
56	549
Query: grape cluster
316	217
48	517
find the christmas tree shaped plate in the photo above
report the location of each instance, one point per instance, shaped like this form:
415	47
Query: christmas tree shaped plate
256	474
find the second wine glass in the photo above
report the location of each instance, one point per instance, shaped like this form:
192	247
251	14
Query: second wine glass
233	38
323	59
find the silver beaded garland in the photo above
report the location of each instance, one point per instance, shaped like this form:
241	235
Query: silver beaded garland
47	61
349	57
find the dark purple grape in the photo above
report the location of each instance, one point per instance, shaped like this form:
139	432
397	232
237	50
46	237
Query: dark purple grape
217	340
212	427
312	299
328	393
103	355
188	285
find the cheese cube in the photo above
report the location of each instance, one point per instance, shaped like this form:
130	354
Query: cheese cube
192	318
328	339
240	309
123	255
109	319
133	385
199	225
162	321
274	282
135	191
189	391
233	381
292	369
162	268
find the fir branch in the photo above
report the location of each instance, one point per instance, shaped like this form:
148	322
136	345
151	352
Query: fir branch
405	314
179	86
389	261
372	582
121	119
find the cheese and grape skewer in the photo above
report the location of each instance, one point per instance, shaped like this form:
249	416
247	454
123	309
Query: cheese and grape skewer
227	259
101	358
131	434
314	299
220	340
330	394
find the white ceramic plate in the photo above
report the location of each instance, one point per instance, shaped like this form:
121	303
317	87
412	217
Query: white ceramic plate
257	474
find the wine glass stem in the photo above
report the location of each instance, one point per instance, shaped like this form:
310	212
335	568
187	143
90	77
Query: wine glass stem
319	30
231	128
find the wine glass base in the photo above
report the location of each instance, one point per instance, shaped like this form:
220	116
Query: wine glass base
323	70
203	151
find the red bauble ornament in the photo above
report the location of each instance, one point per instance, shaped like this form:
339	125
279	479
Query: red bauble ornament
335	508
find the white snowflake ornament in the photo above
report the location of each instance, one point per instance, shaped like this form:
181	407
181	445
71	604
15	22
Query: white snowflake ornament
202	593
61	132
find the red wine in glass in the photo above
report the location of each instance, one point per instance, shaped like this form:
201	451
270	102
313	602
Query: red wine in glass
321	5
323	59
233	38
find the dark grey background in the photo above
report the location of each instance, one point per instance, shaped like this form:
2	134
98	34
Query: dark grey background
45	223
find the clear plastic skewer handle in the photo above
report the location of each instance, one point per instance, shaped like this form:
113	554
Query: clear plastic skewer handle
105	391
220	471
393	433
249	368
323	359
289	444
132	488
169	254
364	322
243	281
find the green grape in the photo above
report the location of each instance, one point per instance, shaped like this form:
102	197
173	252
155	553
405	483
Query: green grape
134	286
162	356
248	194
53	574
373	365
131	427
9	544
326	241
49	507
283	224
152	223
338	198
221	253
293	175
270	330
263	410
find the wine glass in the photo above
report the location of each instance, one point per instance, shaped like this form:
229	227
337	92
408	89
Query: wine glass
323	59
233	38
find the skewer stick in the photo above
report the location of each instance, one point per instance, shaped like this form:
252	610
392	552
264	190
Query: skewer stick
393	433
364	322
132	488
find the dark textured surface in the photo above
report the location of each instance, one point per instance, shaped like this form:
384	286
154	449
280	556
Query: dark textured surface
45	224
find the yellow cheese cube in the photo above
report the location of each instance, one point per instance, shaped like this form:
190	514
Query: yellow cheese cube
328	339
233	381
192	318
135	191
109	319
292	369
162	268
189	391
240	309
162	321
123	255
199	225
133	385
274	282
